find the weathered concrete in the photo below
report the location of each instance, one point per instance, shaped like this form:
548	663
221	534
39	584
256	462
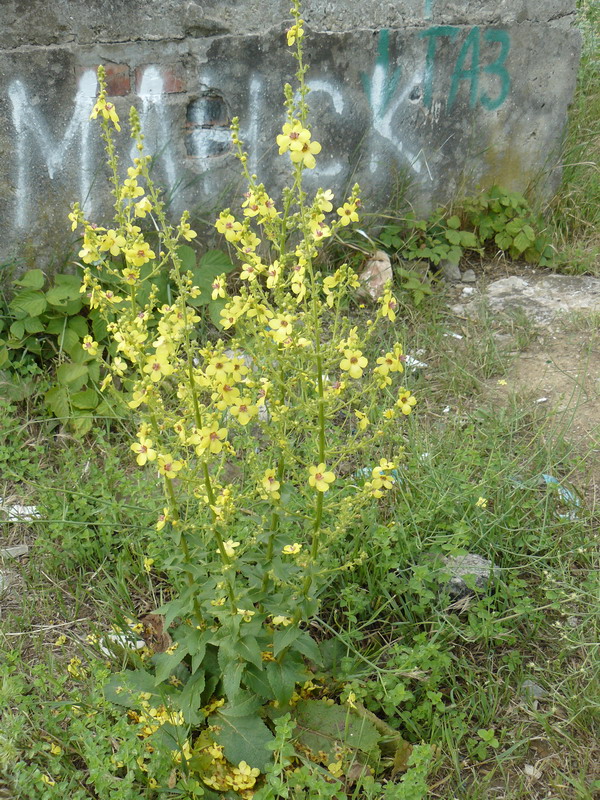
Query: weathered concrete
446	93
544	298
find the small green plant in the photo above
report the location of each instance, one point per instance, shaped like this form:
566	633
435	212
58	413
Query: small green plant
439	238
505	220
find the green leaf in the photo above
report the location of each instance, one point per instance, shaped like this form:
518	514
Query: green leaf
521	243
453	222
503	240
232	677
453	236
81	424
165	663
283	637
187	255
68	340
190	698
257	681
88	399
214	310
248	649
55	325
70	373
243	739
245	705
306	645
325	728
216	262
33	325
64	279
124	688
29	302
17	329
468	239
57	400
283	676
60	295
32	279
79	325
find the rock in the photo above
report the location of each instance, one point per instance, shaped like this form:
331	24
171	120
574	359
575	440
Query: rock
450	271
541	296
15	551
479	572
469	276
533	691
376	273
6	580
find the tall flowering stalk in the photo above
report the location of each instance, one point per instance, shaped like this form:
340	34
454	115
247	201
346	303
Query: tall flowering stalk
248	432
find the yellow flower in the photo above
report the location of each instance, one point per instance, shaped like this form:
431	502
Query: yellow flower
502	382
292	549
390	362
281	327
230	547
187	233
296	32
113	242
55	750
481	502
243	410
363	420
405	401
323	200
246	614
148	562
107	110
218	287
353	363
158	366
168	466
211	439
139	253
305	154
142	207
293	132
89	345
48	780
348	213
144	451
389	304
60	641
270	484
281	620
162	519
320	478
227	225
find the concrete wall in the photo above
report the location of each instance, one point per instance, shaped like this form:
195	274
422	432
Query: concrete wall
442	92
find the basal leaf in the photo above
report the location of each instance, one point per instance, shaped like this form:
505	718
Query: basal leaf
32	279
324	728
243	739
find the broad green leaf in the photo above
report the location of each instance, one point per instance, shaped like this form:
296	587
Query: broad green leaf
29	302
124	688
190	699
232	678
521	243
88	399
503	240
57	400
284	676
68	340
248	649
33	325
81	424
306	645
325	728
63	279
216	261
60	295
283	637
453	236
187	255
56	325
453	222
214	310
32	279
245	705
17	329
257	681
468	239
243	739
79	325
70	373
165	663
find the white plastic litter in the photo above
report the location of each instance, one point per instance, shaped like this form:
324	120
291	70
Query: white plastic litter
17	512
413	363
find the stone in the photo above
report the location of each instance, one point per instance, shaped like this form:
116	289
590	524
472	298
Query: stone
15	551
376	273
480	572
6	580
450	271
533	690
469	276
542	297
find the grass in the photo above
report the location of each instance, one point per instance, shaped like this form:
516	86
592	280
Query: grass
438	672
575	213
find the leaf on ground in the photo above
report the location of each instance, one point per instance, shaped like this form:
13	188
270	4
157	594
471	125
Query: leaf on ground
243	739
325	728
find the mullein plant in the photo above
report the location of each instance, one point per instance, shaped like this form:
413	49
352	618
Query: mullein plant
283	402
